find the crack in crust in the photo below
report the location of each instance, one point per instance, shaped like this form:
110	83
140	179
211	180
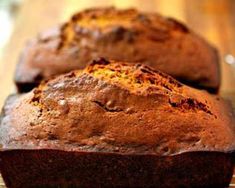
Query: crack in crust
127	23
138	79
143	78
191	104
36	100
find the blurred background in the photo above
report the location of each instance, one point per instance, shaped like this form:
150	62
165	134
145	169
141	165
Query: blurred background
22	19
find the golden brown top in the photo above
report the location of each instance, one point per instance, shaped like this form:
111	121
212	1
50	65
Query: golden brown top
119	23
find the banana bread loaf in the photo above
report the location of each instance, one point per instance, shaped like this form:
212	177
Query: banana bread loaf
122	35
116	125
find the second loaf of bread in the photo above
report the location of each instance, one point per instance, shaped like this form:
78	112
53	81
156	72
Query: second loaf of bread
124	35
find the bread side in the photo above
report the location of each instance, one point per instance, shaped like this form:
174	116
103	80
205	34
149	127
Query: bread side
57	168
123	35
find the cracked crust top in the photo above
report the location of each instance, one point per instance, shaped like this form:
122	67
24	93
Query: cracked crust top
123	35
118	107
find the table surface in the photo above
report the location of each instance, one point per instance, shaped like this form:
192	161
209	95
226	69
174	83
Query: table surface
213	19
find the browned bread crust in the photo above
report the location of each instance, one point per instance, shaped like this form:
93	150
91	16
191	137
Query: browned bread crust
116	124
123	35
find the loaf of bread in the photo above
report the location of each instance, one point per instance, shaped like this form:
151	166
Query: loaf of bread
116	124
122	35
